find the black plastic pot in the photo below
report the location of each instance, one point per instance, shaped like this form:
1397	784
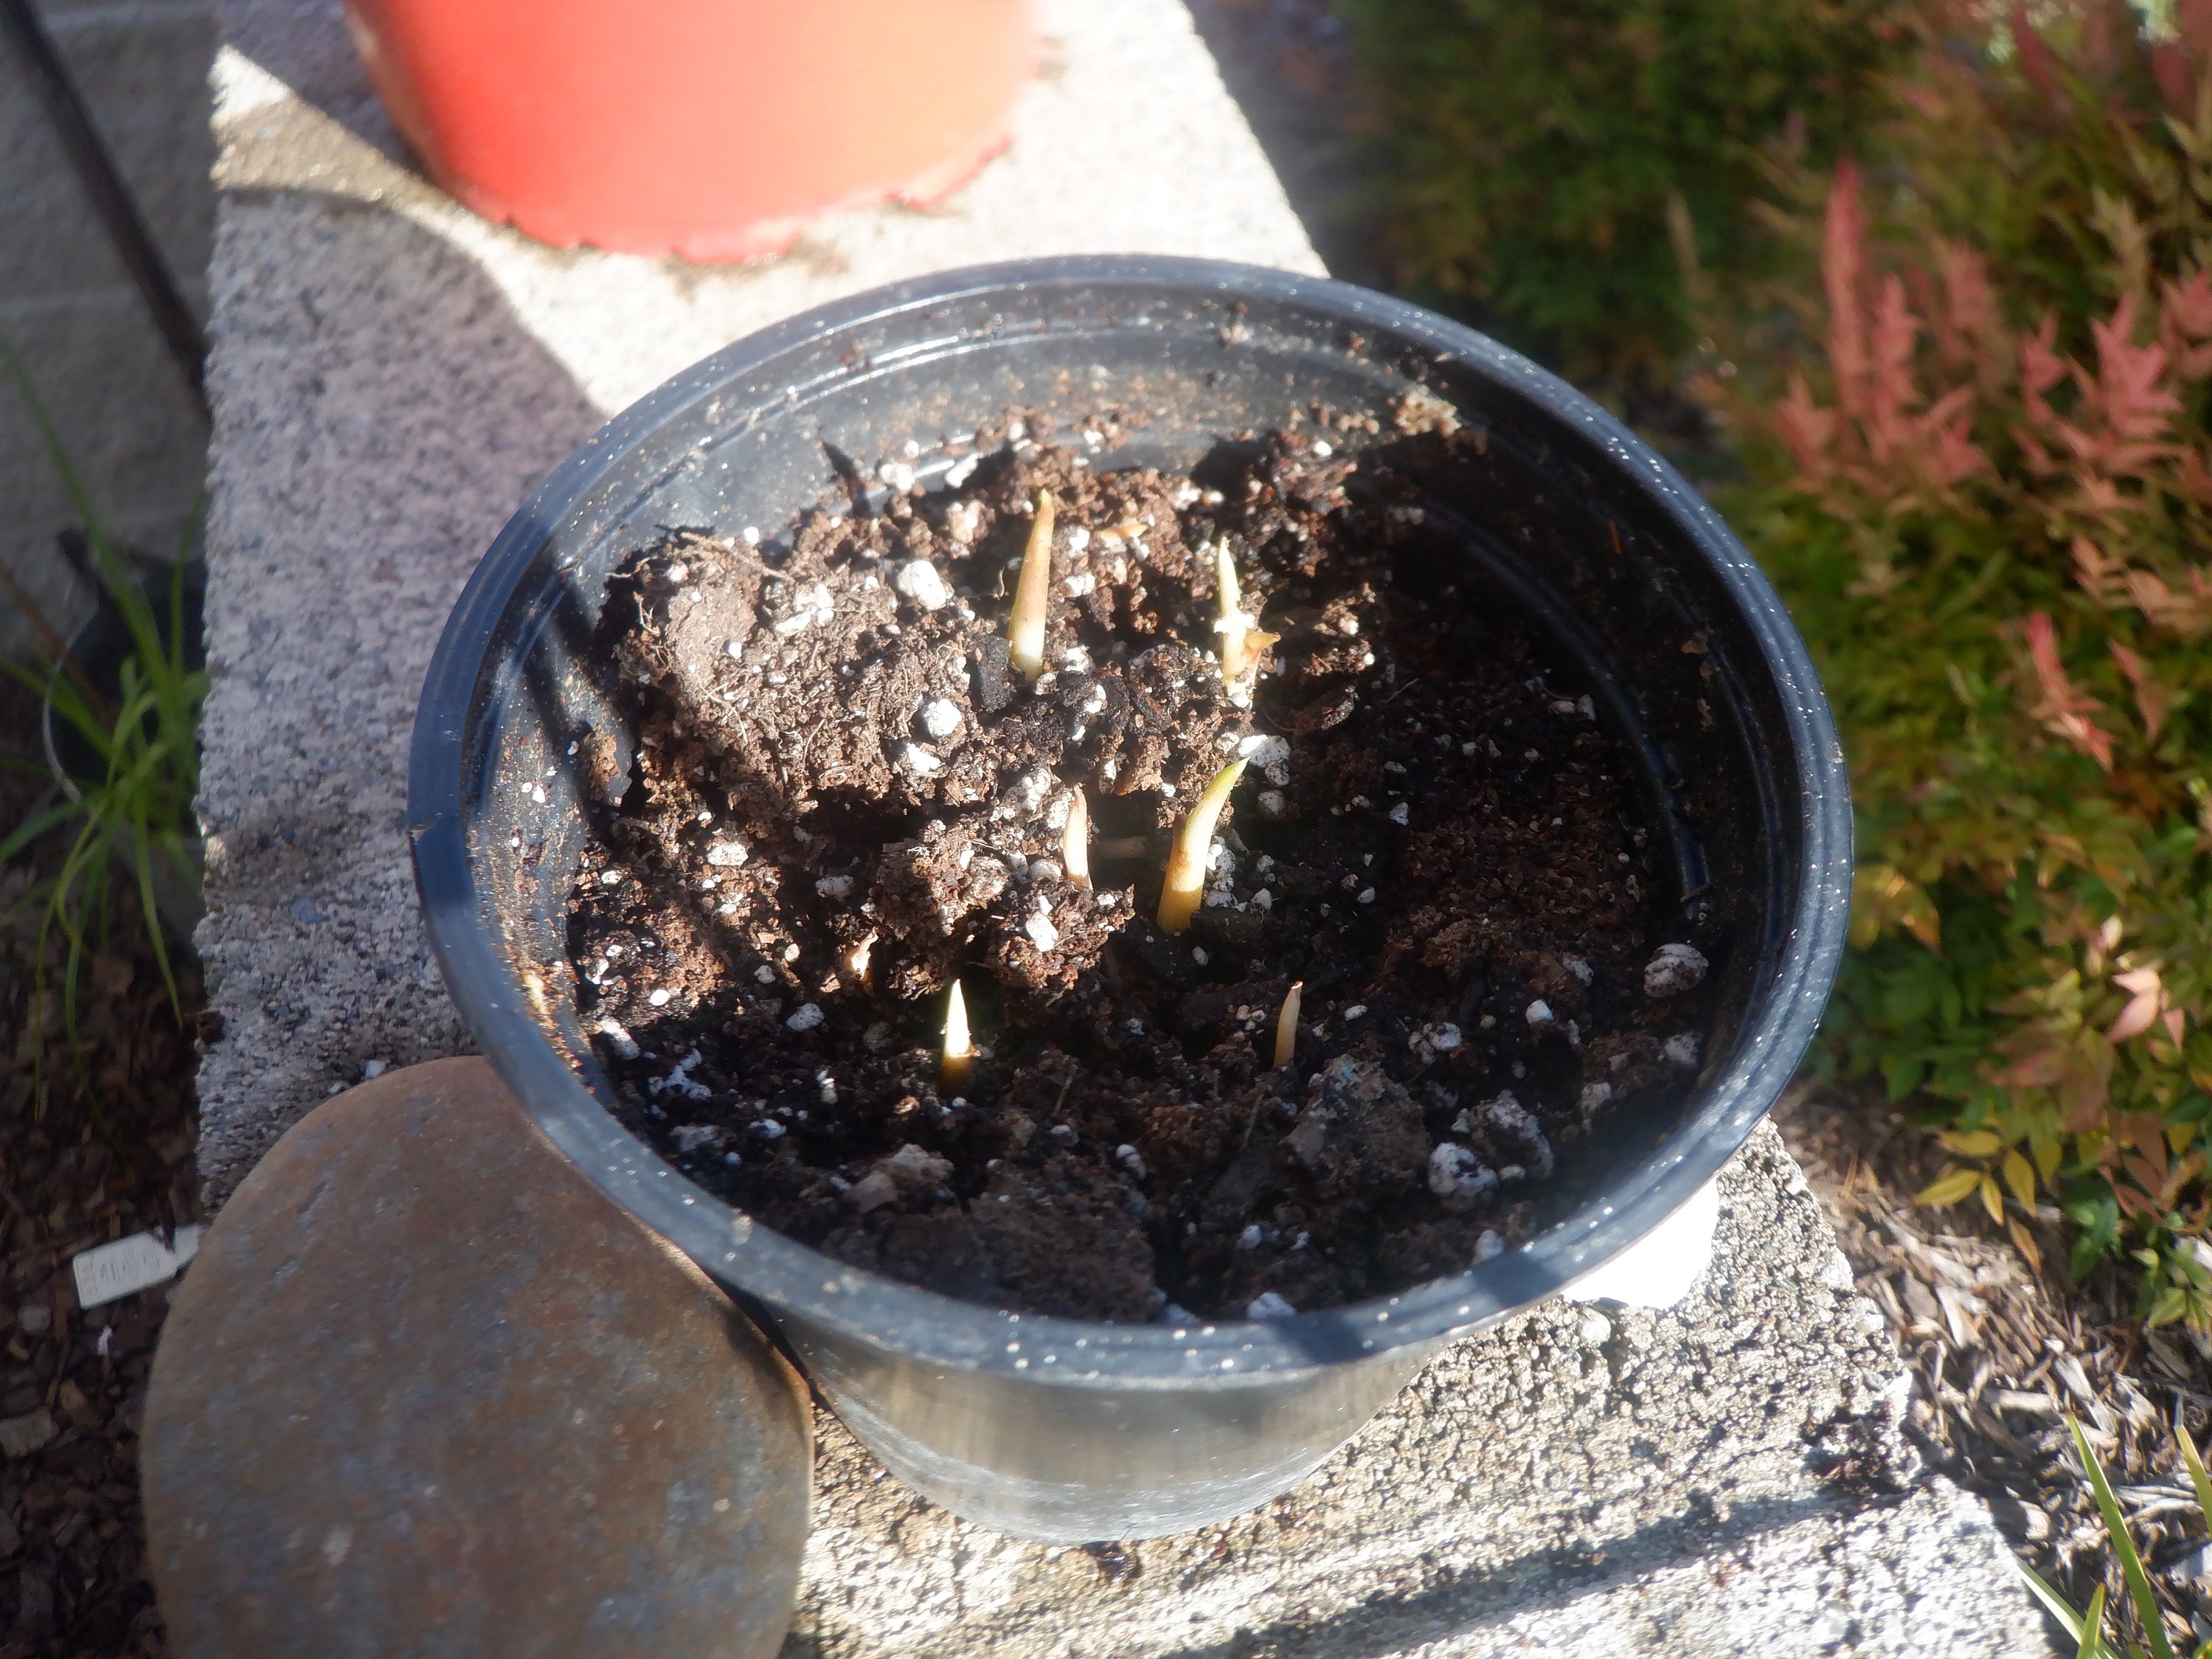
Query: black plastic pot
1052	1428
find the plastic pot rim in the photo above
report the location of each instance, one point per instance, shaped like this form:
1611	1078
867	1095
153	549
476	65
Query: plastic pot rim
1733	1092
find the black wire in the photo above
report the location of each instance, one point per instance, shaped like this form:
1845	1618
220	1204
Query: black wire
111	197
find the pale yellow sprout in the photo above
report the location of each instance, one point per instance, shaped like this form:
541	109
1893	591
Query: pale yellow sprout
1025	627
1075	839
1186	882
1286	1024
959	1047
1243	641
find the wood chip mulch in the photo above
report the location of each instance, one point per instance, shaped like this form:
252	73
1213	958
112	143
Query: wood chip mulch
2001	1351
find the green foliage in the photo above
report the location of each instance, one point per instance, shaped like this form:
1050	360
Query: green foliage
1575	168
2086	1627
135	820
1988	508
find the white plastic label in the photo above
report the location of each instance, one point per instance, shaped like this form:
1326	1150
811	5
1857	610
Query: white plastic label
108	1272
1660	1268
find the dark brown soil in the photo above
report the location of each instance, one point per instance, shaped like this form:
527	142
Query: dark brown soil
91	1150
1435	835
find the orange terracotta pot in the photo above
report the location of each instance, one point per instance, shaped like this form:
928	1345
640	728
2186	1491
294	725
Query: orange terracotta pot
713	129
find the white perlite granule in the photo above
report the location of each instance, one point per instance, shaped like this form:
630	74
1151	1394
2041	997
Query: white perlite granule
1456	1173
806	1016
727	854
1268	1305
919	580
940	717
1673	970
1039	927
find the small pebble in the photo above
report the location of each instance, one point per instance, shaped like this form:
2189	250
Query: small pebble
1540	1012
764	974
1357	1010
806	1018
375	1068
659	999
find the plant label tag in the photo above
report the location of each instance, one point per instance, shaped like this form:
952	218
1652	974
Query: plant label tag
108	1272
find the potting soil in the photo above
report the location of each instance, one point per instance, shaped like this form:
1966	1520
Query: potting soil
843	795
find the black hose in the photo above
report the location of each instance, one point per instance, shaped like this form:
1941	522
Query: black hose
111	197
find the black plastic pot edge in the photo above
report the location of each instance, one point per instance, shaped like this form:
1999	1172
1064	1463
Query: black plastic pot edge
965	1337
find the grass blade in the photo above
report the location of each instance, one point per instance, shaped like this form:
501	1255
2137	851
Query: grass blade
2093	1627
2053	1602
2197	1478
2131	1566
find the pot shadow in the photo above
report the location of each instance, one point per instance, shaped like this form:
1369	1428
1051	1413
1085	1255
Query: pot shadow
381	410
1545	1580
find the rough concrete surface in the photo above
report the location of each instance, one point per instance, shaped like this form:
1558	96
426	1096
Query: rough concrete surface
68	306
425	1392
389	377
1575	1482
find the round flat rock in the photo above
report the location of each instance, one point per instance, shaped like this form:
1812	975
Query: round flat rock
425	1391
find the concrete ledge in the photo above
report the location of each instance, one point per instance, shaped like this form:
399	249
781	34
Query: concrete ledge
390	376
1576	1482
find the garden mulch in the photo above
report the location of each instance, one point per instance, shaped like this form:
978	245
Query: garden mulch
2003	1350
86	1156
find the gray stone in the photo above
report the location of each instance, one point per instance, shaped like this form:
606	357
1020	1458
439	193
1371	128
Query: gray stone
424	1391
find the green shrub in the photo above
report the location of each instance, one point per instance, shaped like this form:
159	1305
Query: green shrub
1571	169
1990	509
